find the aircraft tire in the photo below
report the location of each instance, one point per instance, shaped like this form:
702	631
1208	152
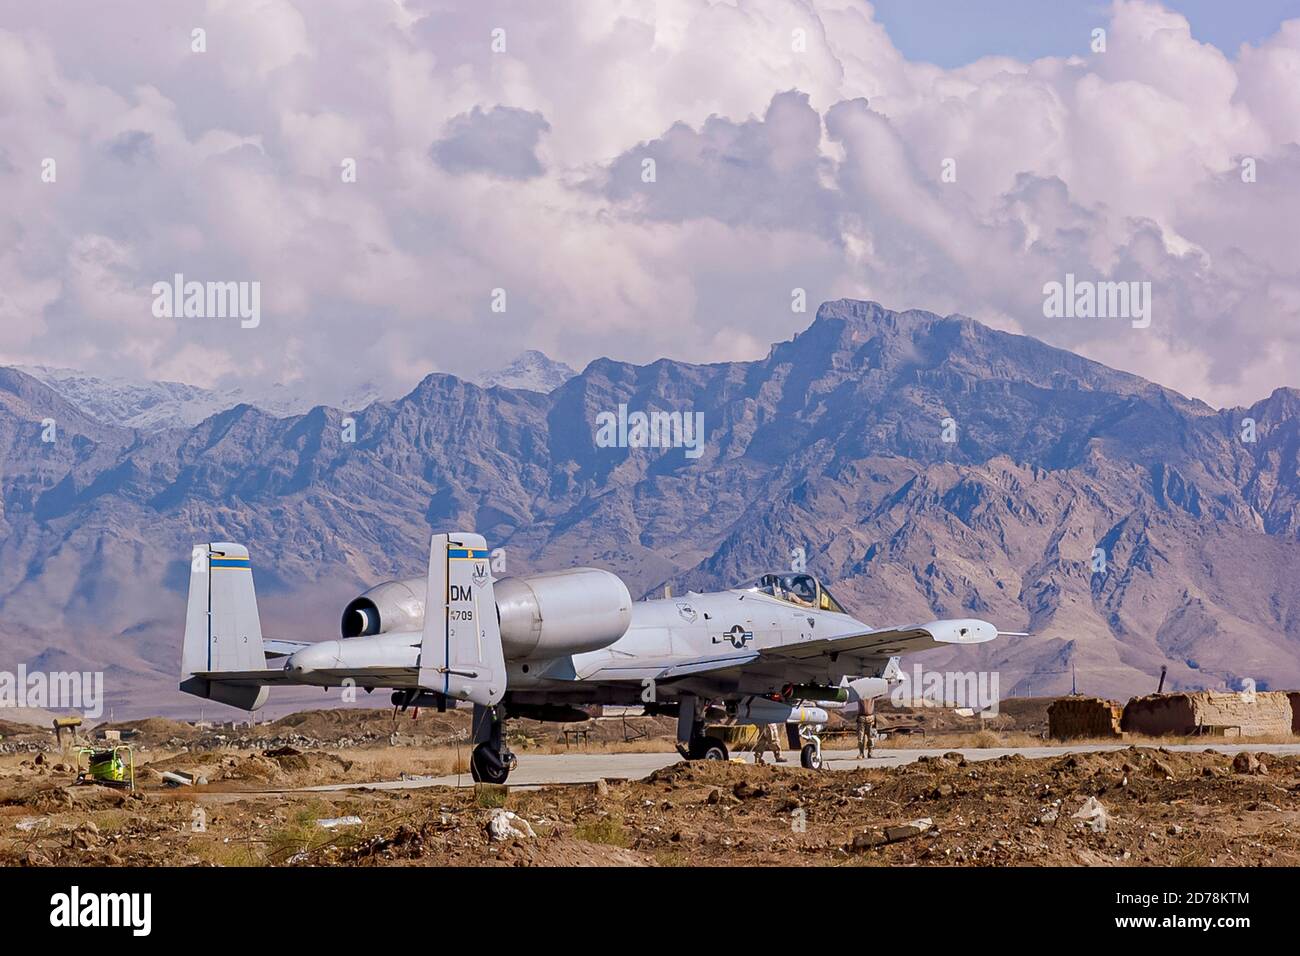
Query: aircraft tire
486	765
809	758
709	748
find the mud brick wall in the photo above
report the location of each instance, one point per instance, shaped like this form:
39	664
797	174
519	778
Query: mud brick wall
1262	714
1083	717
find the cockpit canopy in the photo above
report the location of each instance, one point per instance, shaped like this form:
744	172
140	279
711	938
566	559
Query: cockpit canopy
798	588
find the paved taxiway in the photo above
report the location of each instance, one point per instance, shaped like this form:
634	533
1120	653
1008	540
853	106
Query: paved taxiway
578	767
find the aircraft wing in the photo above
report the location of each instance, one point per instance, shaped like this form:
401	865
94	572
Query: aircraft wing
788	661
666	668
887	642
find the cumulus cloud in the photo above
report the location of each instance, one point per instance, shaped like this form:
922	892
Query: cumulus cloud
504	146
502	142
762	173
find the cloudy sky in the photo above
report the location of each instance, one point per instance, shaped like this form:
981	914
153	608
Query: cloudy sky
505	146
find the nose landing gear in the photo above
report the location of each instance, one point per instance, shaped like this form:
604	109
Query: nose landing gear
810	756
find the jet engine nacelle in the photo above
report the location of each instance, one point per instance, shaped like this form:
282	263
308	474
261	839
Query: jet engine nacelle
562	612
542	615
391	606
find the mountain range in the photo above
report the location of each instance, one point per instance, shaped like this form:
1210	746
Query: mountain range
925	466
153	406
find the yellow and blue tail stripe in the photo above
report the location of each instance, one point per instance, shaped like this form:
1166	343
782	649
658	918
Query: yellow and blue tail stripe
468	554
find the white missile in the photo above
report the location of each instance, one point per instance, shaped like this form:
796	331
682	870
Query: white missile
760	710
863	689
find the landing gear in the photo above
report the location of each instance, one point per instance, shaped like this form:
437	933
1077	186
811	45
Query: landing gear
691	740
492	760
487	765
708	748
810	757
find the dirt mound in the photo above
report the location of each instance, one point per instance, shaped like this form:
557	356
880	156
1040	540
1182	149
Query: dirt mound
334	725
570	852
462	839
723	773
45	798
10	729
283	767
1160	764
1027	715
151	729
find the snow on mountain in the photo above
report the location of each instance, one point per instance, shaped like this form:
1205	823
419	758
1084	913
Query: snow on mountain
155	406
532	370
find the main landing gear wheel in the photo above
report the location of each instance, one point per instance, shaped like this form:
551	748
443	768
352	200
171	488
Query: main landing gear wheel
810	757
489	765
709	748
492	760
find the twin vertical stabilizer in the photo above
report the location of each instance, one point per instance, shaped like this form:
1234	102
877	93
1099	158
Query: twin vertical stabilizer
460	655
223	632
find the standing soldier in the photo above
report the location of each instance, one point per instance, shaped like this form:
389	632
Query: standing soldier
866	726
769	741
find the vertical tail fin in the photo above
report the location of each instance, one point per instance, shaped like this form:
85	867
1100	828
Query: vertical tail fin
461	655
222	629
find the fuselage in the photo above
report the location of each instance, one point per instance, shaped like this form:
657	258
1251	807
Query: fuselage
716	623
694	625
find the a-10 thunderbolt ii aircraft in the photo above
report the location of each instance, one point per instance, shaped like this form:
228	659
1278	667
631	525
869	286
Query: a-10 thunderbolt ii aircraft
542	645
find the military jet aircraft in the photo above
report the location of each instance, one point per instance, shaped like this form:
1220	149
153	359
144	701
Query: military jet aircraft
543	645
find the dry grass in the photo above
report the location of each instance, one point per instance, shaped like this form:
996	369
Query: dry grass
608	830
491	795
389	763
110	821
303	835
220	853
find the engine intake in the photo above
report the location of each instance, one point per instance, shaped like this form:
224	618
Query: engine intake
391	606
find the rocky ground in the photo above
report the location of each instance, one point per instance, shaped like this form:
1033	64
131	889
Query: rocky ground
1131	807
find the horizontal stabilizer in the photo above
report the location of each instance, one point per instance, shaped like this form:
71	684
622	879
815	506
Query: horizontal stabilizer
271	675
